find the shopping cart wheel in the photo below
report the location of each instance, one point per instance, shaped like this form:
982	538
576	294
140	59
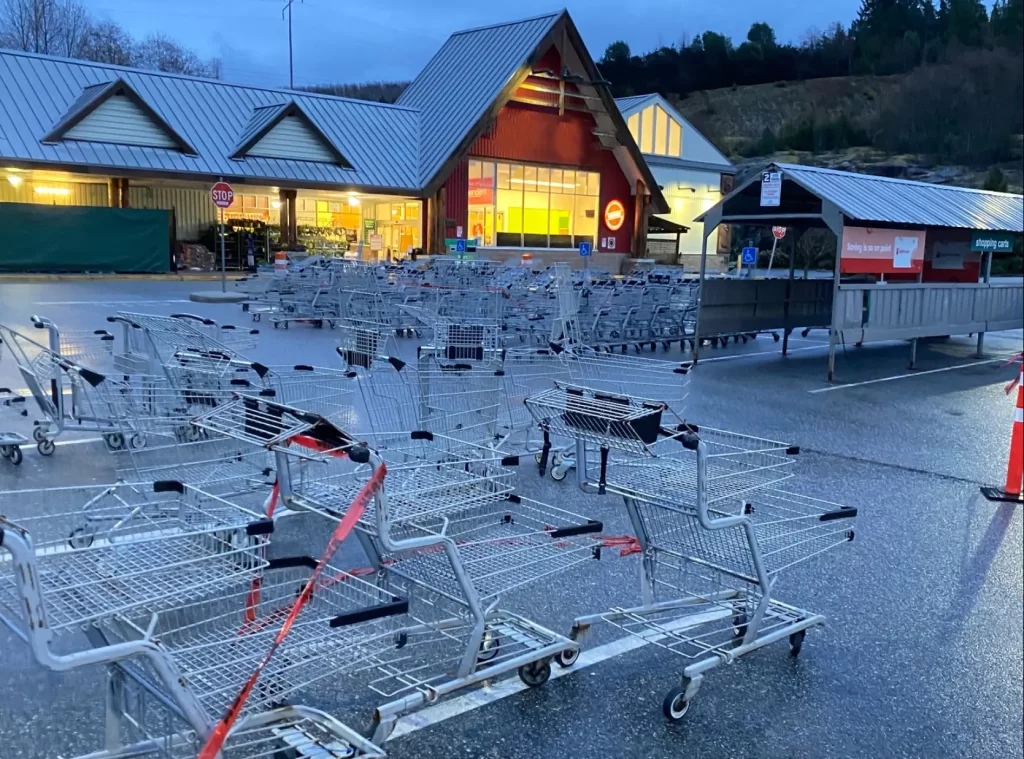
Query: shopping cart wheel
796	642
5	451
80	538
114	440
39	434
489	647
15	456
256	317
567	658
675	706
559	472
739	625
46	447
137	441
536	673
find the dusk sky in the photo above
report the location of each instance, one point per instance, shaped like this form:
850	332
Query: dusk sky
391	40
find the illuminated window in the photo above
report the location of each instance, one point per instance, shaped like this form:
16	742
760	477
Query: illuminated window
660	131
675	147
647	130
515	205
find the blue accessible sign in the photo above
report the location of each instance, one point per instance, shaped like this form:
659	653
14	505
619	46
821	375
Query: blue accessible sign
749	256
460	245
584	248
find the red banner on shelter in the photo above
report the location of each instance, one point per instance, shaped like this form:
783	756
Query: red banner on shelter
865	250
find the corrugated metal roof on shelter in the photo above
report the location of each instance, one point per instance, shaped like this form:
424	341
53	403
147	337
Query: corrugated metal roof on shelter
868	198
37	91
883	200
464	79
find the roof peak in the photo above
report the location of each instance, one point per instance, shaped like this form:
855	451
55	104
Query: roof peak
553	15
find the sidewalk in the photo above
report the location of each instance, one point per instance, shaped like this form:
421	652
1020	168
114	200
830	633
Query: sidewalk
183	276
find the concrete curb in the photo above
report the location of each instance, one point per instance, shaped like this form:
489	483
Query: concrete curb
218	297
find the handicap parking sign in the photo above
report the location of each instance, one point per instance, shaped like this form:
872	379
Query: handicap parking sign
584	248
460	246
749	256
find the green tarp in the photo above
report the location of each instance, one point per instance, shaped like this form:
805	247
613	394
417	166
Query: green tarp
38	238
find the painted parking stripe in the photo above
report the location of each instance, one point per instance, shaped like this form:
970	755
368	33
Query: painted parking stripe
777	352
510	686
908	375
110	302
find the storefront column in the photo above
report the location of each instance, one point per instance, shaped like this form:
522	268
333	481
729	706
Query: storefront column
117	192
436	223
641	209
289	218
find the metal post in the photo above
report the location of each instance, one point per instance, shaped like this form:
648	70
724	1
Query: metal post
913	342
789	292
987	264
710	224
223	259
291	60
771	259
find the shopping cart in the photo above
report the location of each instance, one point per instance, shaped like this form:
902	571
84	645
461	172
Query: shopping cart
11	404
173	590
455	542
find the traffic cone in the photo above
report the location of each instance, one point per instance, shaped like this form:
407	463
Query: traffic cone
1011	492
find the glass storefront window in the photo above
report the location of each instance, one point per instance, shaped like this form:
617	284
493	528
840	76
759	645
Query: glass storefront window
515	205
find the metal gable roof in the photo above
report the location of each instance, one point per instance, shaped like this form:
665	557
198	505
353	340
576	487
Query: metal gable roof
37	91
463	81
882	200
632	103
261	125
262	115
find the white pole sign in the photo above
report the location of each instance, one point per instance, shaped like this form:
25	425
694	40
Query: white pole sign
771	188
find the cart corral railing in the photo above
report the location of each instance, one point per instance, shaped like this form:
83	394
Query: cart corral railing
867	313
736	306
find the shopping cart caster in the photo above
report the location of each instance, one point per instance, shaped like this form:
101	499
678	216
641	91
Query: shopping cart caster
114	440
567	658
39	434
796	642
137	441
256	317
12	453
489	647
46	447
559	471
80	538
675	706
536	673
775	336
739	625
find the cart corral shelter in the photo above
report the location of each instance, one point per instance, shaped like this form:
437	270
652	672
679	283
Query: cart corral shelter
508	138
913	260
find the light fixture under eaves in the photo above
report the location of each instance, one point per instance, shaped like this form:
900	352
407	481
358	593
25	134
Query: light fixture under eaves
353	201
52	191
15	180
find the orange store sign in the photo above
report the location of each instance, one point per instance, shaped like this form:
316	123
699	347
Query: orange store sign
614	215
866	250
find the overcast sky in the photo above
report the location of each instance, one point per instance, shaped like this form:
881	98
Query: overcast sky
390	40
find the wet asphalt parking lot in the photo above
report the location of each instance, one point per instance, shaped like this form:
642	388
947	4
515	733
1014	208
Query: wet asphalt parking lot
922	652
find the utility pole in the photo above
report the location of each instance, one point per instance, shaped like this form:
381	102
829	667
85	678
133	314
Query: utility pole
291	60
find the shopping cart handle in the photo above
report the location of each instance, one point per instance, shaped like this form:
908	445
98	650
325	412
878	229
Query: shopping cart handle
846	512
193	317
391	609
579	529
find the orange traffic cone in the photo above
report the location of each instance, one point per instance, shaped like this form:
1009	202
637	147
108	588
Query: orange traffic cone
1011	492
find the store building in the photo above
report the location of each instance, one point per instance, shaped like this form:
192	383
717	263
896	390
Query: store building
508	138
692	172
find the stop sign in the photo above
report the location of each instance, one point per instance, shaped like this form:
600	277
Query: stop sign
222	195
779	232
